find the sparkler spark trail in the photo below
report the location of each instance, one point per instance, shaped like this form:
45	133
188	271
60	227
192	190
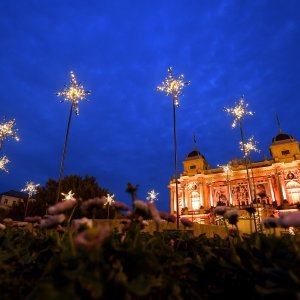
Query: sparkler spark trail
250	145
152	196
3	161
238	112
7	129
68	196
30	188
74	93
172	86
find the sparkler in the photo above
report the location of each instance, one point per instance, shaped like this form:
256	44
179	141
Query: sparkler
31	188
7	130
152	196
3	161
239	112
251	145
109	201
73	93
68	196
173	87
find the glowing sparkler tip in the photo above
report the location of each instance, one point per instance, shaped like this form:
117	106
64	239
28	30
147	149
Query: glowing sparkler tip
249	146
238	112
152	196
8	129
68	196
3	162
172	86
31	188
109	199
74	93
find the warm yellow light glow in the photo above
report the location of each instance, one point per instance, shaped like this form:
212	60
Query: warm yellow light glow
226	168
7	129
74	93
238	112
30	188
172	86
68	196
250	145
3	161
152	196
109	199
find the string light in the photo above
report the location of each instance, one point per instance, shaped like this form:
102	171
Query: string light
239	111
74	93
3	161
152	196
68	196
30	188
7	129
250	145
172	86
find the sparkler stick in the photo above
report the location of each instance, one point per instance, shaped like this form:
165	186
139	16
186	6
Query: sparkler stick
73	93
31	189
173	87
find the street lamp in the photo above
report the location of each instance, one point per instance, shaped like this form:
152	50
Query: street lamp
173	87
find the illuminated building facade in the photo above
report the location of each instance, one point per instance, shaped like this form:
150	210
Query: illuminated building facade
273	181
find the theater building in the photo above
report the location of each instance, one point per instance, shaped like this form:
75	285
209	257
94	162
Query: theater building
271	181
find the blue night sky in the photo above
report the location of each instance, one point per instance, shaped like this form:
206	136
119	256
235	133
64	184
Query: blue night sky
121	50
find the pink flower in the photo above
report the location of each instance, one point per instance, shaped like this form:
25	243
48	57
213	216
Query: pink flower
154	212
2	226
270	222
83	223
168	217
61	207
120	205
52	221
186	222
141	205
290	219
92	238
36	219
90	204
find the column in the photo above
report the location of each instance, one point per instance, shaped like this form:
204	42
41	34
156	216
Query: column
211	200
201	194
281	182
271	188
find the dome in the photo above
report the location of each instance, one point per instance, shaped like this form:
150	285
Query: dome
195	153
283	137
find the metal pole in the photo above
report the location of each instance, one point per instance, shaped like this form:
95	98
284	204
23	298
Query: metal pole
176	165
64	154
245	159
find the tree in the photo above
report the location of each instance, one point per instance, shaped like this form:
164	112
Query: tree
83	189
